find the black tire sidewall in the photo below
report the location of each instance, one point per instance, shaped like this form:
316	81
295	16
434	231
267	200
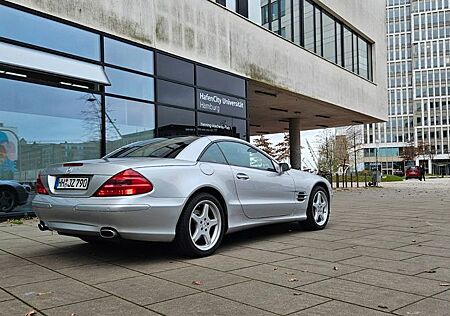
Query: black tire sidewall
14	203
183	238
310	223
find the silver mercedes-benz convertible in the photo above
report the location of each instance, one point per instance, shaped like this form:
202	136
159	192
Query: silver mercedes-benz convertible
191	190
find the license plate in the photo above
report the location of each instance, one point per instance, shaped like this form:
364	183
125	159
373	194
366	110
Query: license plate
65	183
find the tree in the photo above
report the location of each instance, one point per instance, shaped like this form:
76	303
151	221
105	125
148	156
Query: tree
326	161
265	145
342	149
282	149
409	152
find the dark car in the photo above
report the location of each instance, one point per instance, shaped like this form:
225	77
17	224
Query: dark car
12	194
412	172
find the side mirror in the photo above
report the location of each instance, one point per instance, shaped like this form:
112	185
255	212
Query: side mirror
284	167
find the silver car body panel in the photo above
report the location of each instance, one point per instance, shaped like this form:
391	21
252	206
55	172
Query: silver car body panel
265	197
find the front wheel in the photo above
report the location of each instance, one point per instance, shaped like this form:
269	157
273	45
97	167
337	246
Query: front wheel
201	226
7	200
318	211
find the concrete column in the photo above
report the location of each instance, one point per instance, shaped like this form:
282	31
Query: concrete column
430	166
295	143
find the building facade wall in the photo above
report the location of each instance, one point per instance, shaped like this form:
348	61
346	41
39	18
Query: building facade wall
418	35
202	31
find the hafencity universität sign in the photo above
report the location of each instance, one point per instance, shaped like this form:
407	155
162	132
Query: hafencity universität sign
221	104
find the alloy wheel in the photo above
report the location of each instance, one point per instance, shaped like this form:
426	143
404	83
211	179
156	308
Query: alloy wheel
320	208
205	225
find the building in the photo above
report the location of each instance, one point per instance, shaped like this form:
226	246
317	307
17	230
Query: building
418	37
81	78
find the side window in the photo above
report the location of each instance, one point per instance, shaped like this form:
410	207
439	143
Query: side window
245	156
213	154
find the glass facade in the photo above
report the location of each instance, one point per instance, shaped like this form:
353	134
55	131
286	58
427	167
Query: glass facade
46	120
418	50
307	24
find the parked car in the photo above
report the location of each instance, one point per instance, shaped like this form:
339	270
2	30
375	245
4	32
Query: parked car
12	194
191	190
412	172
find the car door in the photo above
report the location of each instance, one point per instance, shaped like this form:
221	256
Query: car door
261	189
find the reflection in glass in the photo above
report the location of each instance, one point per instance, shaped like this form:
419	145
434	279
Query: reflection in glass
219	81
51	125
128	56
128	122
362	58
173	121
174	68
130	84
33	29
329	40
210	124
308	17
175	94
348	49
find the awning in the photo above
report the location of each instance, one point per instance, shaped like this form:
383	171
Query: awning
35	60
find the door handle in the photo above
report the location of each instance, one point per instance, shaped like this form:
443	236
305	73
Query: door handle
242	176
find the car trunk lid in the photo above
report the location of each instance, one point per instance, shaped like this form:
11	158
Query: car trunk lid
84	178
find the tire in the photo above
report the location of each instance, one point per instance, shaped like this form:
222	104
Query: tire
202	216
319	198
406	178
7	200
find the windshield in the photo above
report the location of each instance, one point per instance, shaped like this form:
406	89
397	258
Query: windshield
154	148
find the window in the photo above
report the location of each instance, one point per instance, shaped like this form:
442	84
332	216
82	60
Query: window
173	121
219	81
213	154
35	30
35	133
339	44
318	31
128	56
348	49
242	155
127	122
329	38
174	68
308	20
130	84
175	94
155	148
275	11
265	14
363	69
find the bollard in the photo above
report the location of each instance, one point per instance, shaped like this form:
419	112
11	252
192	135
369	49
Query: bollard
337	180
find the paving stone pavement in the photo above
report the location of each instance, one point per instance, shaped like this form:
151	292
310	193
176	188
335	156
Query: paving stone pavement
385	251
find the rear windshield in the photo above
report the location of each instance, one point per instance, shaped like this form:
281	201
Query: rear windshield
154	148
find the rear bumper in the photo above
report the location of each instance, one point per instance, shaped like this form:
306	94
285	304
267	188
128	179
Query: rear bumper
137	218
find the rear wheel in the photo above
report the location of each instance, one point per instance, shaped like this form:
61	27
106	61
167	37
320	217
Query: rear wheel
201	226
7	200
318	211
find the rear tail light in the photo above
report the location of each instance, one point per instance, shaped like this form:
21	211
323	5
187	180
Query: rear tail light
128	182
40	189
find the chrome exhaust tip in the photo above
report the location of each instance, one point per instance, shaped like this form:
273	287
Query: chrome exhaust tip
42	226
108	233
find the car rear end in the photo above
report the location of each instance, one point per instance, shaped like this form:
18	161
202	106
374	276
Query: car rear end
108	198
412	173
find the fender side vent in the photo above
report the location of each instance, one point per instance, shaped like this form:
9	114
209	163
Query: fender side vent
301	196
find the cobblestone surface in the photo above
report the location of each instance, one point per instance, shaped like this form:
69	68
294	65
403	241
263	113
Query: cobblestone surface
385	251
